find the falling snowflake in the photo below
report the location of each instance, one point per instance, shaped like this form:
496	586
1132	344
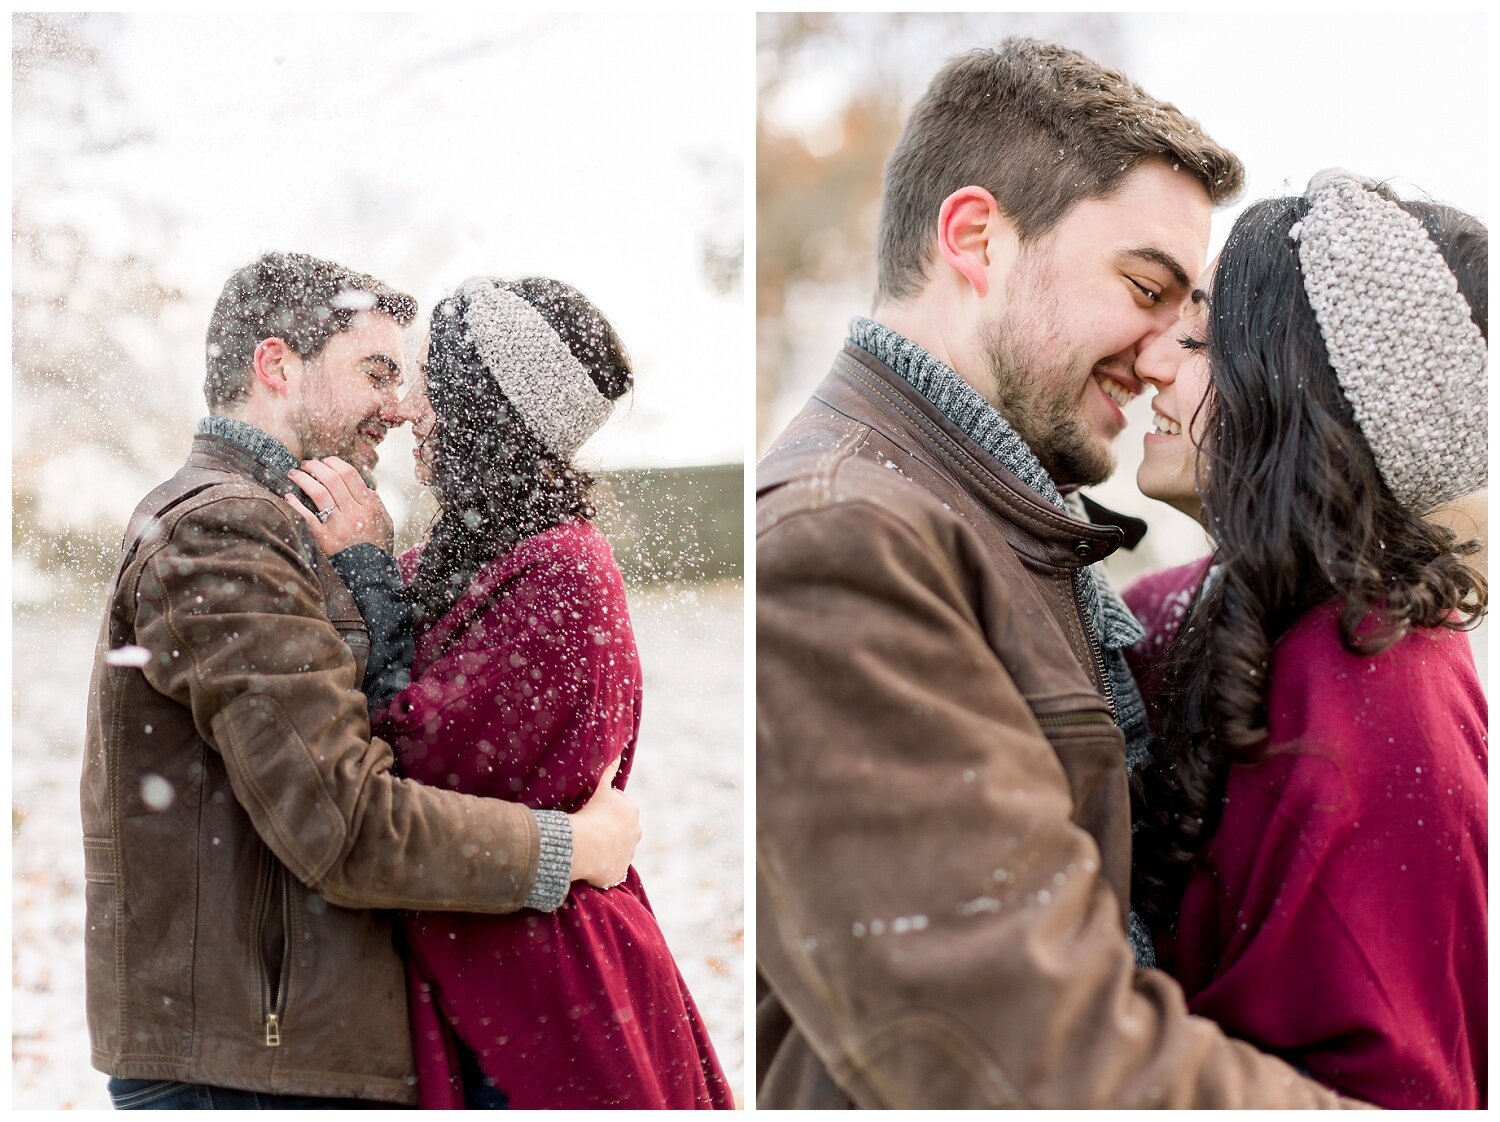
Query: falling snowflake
156	792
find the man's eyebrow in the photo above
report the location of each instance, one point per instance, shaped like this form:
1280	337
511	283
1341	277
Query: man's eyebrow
1162	258
1199	297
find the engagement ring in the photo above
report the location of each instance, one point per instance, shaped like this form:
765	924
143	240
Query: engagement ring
323	514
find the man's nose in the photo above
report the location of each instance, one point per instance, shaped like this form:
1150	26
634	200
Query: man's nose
392	410
1156	362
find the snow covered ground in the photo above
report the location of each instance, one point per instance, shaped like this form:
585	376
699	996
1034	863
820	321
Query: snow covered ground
688	779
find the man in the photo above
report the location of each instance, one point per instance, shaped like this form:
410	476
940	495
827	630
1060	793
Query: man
241	826
943	713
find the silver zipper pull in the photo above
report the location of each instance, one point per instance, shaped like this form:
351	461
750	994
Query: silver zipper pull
273	1031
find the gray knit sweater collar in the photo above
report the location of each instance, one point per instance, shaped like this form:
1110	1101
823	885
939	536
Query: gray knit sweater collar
960	402
262	445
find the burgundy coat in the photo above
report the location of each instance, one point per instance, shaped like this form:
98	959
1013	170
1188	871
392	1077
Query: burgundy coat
1339	916
525	691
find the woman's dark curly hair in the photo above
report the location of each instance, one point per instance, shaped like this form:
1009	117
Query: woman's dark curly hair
1299	515
495	482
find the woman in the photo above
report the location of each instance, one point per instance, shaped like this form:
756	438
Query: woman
1311	829
526	685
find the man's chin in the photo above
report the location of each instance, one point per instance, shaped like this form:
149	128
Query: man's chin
1096	467
1078	463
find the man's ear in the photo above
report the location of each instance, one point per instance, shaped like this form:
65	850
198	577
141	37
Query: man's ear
270	365
973	234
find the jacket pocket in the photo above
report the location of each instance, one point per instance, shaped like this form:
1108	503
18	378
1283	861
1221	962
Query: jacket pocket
1076	723
1091	749
272	945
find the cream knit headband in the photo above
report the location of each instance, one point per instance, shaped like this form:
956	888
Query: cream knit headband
533	367
1409	357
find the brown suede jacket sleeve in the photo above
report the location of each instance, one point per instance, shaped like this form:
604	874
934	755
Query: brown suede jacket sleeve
272	688
930	914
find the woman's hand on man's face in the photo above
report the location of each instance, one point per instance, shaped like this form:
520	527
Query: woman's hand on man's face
346	511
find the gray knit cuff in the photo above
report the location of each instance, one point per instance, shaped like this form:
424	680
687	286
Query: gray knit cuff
554	869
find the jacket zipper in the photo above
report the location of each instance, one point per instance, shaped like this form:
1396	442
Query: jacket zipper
1096	649
273	990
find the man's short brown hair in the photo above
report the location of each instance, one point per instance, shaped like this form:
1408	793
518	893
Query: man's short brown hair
1042	128
301	300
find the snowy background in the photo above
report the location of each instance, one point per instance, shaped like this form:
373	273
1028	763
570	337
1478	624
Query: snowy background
152	155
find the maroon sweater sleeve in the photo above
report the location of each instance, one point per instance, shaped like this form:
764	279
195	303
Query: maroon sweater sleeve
1340	917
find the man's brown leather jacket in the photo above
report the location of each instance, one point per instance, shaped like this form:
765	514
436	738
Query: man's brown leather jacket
942	817
240	825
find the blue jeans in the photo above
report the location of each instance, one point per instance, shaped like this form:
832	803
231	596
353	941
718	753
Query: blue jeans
167	1094
480	1092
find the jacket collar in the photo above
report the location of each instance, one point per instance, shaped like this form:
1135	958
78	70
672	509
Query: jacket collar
960	402
1132	527
247	450
940	384
259	443
867	390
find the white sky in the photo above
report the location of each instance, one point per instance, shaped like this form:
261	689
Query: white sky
1384	94
424	149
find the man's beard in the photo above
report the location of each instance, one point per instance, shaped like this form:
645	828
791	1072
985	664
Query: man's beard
1041	404
317	443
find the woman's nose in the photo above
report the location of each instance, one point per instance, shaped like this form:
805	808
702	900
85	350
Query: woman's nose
398	410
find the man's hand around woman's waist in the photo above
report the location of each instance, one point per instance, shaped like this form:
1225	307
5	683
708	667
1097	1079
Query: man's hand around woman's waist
606	830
